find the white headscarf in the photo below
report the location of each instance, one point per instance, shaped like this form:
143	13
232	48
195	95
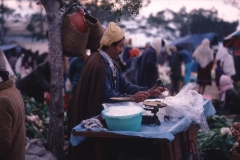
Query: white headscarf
203	54
157	45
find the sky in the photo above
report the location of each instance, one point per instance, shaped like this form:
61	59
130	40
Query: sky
226	12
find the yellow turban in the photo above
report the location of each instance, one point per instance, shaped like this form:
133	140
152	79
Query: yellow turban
112	34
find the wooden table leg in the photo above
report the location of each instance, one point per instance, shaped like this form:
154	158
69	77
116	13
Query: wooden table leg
167	150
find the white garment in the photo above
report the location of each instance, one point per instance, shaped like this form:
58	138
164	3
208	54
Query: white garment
226	60
18	64
203	54
228	65
157	45
25	72
222	51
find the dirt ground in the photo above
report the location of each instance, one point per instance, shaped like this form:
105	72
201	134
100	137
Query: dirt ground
210	90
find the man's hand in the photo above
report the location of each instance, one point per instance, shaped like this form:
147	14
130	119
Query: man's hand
140	96
158	92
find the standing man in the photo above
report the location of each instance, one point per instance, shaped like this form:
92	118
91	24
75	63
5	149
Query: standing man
176	70
12	118
101	80
148	69
126	53
75	70
187	59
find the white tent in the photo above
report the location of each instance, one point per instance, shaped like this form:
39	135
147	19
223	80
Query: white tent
9	68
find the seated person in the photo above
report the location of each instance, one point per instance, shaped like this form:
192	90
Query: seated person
101	79
229	98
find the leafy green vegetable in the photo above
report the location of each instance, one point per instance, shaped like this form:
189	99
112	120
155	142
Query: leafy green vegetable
214	145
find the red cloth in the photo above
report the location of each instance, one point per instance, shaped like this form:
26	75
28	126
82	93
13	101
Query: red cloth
134	52
237	52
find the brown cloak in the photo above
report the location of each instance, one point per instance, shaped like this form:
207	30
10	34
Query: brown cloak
87	99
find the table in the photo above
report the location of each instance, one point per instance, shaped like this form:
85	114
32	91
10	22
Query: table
176	140
180	148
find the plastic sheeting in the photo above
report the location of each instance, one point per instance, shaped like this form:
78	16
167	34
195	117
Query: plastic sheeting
167	129
187	103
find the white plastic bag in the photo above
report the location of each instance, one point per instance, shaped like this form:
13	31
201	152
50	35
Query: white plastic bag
187	103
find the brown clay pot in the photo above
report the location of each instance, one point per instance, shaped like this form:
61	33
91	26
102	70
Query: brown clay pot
78	20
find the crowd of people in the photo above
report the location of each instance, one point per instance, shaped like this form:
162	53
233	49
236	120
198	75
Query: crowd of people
140	66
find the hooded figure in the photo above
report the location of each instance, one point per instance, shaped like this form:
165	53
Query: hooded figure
12	117
147	70
228	96
204	56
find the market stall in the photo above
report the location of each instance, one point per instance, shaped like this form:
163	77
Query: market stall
176	140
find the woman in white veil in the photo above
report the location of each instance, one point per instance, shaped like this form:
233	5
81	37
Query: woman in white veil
204	56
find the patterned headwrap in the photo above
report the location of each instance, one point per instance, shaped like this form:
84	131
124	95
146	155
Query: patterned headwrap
112	34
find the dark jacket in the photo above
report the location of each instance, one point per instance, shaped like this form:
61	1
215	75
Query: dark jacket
187	57
132	72
124	88
12	123
147	70
75	71
126	56
219	72
175	65
232	101
36	83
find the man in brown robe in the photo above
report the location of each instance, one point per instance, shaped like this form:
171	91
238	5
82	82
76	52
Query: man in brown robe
101	79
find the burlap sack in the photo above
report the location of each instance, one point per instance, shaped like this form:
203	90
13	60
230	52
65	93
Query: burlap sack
96	32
